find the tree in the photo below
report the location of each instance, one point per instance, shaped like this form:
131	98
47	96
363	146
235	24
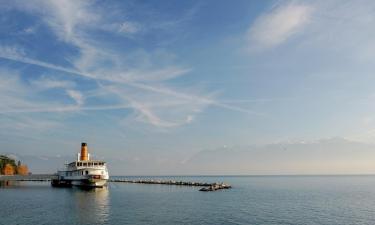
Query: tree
8	169
22	169
4	160
9	166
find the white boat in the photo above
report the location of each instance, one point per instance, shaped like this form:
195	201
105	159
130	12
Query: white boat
83	172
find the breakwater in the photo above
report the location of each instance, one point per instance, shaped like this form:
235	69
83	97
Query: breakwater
206	186
53	177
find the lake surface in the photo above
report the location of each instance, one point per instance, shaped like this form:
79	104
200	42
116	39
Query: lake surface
252	200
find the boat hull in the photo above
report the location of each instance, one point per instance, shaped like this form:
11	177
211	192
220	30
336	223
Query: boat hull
89	182
85	181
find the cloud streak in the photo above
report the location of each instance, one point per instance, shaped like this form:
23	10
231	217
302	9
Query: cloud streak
280	24
126	81
135	80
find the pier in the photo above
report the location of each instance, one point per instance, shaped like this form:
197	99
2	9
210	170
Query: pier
30	177
50	177
206	186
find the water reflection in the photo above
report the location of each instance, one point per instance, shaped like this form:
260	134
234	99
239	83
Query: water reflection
92	205
10	184
5	183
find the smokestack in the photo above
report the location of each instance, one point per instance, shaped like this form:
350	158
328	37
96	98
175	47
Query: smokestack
84	152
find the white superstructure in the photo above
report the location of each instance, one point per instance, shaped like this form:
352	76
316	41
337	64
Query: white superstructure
84	171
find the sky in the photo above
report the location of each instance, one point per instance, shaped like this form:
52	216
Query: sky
159	82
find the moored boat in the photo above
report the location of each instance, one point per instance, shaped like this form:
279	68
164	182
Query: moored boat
83	172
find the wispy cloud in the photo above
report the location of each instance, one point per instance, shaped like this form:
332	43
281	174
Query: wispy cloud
65	16
21	123
29	30
126	80
147	115
46	82
124	28
128	27
76	96
280	24
136	80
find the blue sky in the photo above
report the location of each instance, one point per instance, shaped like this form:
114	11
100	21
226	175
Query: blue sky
167	79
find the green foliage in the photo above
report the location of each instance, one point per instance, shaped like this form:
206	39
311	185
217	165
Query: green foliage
6	160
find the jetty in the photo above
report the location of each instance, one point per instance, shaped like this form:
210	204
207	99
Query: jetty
206	186
215	187
30	177
53	177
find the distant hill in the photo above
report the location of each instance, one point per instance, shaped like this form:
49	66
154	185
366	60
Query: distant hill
326	156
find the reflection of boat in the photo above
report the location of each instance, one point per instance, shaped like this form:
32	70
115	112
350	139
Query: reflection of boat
91	205
83	172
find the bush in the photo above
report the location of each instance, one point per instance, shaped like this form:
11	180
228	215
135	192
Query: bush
8	166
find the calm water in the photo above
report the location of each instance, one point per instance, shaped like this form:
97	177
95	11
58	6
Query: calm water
253	200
